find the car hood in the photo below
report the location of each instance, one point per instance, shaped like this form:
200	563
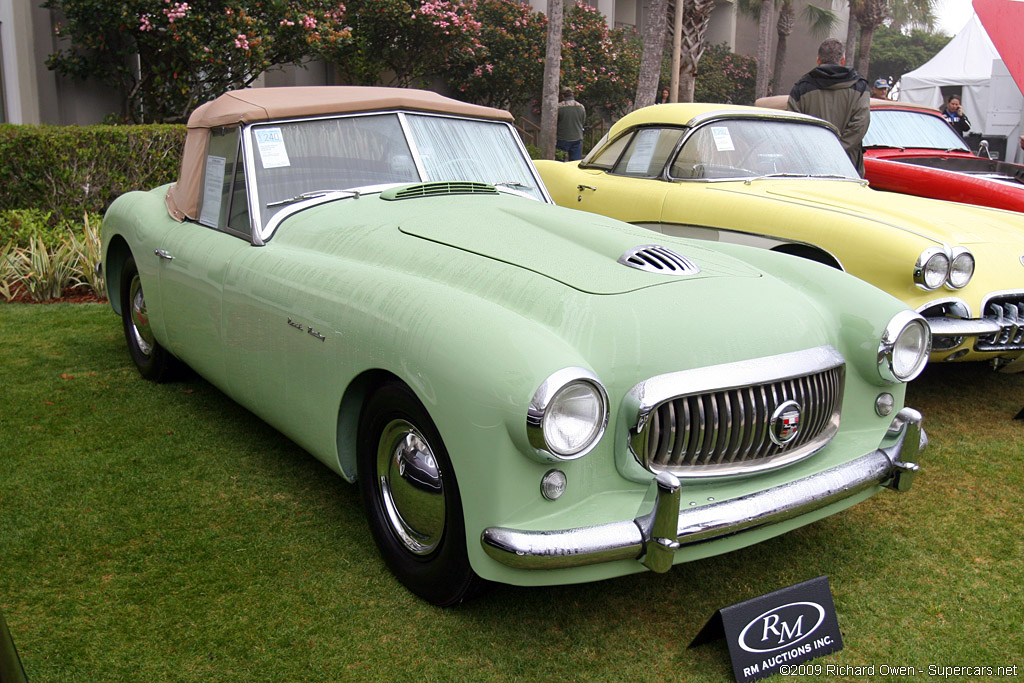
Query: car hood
580	250
941	222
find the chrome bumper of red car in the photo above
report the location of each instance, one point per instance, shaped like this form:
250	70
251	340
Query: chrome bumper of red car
653	538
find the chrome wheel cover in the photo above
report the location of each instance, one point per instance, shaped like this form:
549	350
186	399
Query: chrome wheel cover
411	488
141	332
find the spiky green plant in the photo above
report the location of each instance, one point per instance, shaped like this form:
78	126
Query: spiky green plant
85	247
42	272
7	272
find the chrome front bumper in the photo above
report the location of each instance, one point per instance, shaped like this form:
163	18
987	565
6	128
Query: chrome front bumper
653	538
963	327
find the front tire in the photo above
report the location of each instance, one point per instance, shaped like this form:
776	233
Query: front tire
412	499
153	361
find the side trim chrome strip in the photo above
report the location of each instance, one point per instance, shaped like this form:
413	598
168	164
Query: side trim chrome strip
636	538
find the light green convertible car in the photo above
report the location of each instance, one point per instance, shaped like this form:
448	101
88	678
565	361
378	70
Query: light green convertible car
525	394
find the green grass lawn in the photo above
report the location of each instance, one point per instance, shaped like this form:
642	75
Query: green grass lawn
162	533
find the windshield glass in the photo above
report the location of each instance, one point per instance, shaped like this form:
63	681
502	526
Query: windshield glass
465	149
902	129
747	148
297	160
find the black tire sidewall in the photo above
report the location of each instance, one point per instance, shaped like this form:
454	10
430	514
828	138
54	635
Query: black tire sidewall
157	365
444	576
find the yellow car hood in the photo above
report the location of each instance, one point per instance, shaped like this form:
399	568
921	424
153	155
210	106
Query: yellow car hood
944	222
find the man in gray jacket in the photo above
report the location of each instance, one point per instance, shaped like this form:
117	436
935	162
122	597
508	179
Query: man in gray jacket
838	94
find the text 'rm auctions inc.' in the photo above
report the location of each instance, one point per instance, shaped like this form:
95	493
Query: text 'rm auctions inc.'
933	670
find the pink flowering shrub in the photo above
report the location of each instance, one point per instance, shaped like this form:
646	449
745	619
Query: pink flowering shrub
509	66
404	43
725	77
189	52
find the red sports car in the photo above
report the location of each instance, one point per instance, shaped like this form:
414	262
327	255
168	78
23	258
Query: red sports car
913	150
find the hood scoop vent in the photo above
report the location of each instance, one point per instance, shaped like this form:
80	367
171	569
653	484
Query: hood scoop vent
653	258
439	189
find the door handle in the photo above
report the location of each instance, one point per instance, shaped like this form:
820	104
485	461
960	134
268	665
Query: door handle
163	254
581	188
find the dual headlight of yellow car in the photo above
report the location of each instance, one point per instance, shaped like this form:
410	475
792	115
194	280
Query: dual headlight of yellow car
936	267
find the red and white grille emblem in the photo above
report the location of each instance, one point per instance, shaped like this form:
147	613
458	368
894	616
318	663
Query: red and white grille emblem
785	423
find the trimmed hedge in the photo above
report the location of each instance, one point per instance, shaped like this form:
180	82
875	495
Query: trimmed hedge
69	170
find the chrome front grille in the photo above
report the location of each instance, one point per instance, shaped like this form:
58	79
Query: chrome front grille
788	408
1008	312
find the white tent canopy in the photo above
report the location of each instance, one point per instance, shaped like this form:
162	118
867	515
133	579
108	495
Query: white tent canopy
966	61
971	65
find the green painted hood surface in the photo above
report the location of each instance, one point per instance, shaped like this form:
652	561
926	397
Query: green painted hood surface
578	249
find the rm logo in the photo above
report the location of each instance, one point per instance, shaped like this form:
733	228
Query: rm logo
781	627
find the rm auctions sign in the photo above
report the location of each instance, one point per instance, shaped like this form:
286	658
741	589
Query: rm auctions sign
785	627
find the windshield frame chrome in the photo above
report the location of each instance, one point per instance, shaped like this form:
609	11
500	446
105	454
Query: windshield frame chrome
261	233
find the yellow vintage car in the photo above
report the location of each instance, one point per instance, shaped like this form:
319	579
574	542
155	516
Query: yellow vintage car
781	181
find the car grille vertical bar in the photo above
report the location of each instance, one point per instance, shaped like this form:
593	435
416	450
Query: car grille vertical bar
728	430
1007	310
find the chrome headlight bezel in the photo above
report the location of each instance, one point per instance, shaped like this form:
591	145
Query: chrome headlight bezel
543	408
960	255
901	330
932	260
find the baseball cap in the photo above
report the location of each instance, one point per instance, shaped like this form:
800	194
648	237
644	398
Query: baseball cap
881	83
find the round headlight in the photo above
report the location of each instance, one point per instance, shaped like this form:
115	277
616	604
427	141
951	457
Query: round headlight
961	269
568	414
931	269
903	351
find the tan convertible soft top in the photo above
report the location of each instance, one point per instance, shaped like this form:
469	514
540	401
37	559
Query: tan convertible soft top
240	107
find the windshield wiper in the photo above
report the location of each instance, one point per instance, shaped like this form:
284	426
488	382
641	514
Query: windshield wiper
775	175
836	176
511	183
311	195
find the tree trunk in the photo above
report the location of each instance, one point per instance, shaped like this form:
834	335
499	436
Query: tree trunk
552	67
851	37
867	33
764	48
655	23
695	17
784	29
687	84
677	46
870	15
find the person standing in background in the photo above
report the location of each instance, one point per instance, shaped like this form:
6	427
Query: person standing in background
838	94
569	135
953	112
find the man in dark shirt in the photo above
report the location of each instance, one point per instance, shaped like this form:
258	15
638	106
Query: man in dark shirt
571	117
836	93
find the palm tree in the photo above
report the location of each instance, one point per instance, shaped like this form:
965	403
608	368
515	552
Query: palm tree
549	92
764	47
870	14
655	23
820	20
692	17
